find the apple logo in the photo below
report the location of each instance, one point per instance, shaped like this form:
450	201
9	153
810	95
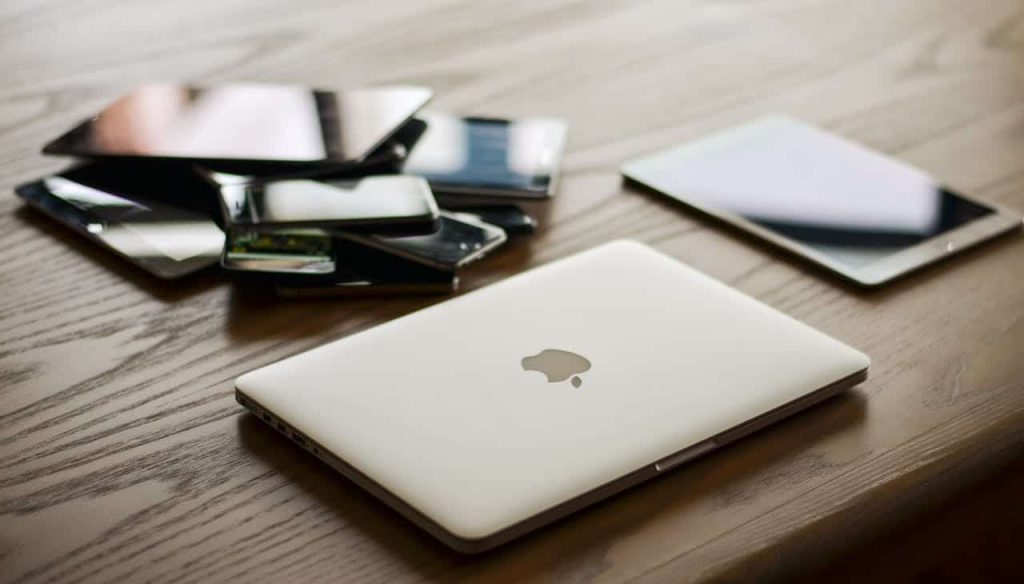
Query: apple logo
557	365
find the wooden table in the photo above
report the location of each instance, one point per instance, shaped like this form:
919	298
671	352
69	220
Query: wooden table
125	458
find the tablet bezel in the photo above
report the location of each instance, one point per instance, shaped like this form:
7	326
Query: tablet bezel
882	271
70	143
158	263
892	267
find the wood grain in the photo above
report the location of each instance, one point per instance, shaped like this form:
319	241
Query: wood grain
123	456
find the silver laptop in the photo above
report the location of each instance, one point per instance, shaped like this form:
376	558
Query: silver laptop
497	412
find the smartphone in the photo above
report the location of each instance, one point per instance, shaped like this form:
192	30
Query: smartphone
856	212
157	218
245	123
363	271
510	218
304	252
456	243
489	159
388	203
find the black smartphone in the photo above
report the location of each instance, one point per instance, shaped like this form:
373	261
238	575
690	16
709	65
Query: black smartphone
456	243
245	123
510	218
489	159
383	204
361	272
155	216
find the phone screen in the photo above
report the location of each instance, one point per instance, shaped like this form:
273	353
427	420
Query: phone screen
489	156
455	243
838	198
376	202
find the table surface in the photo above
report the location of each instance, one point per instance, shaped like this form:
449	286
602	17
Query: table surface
124	456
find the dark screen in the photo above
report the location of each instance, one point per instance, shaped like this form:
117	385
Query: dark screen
263	123
511	219
157	218
858	246
454	243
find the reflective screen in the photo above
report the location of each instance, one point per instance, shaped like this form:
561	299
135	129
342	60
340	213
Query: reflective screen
511	219
363	270
376	199
245	123
455	243
149	225
463	154
836	197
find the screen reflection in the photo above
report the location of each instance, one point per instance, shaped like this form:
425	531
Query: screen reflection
488	154
151	226
369	202
263	123
833	196
455	242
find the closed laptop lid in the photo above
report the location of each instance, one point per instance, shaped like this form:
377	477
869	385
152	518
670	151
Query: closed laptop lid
451	410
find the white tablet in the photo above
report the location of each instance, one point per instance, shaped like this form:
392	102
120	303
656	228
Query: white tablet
859	213
494	413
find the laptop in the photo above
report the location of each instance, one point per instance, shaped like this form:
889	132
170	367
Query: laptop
492	414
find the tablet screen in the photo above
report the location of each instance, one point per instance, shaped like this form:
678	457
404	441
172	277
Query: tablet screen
842	200
260	123
143	214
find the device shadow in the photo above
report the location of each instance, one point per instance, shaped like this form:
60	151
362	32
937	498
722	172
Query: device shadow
255	312
730	476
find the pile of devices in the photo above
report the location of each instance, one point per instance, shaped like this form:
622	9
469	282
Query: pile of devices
339	192
310	191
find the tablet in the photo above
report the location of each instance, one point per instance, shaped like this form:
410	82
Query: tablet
492	414
259	123
859	213
155	216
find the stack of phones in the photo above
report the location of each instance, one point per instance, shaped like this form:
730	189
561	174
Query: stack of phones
312	192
